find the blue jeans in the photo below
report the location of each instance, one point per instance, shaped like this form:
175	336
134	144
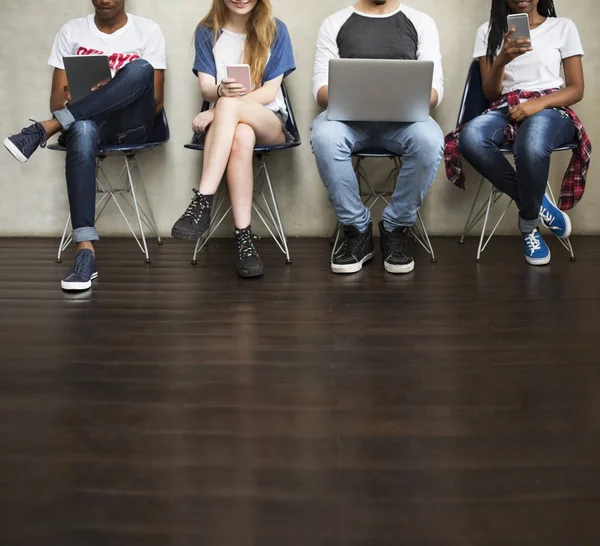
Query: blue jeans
421	146
118	113
538	135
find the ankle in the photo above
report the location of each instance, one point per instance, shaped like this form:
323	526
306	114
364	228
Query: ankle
51	127
86	245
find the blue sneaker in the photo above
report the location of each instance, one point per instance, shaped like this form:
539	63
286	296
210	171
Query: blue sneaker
536	249
23	145
83	272
555	219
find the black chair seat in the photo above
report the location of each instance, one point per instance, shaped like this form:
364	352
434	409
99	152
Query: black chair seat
374	152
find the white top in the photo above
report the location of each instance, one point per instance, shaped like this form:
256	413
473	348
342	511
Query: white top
230	49
428	44
139	38
555	39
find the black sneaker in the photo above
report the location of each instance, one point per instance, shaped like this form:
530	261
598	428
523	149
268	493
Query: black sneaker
195	220
356	249
83	272
394	247
248	262
23	145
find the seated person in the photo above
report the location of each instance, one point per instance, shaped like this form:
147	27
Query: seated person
118	111
237	33
530	99
376	29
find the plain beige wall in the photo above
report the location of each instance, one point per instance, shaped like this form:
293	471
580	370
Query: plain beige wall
34	200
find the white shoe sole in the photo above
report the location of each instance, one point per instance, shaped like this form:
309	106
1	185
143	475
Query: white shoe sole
399	269
539	261
78	286
568	230
352	268
14	151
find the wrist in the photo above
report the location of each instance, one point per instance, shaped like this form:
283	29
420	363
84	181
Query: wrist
219	91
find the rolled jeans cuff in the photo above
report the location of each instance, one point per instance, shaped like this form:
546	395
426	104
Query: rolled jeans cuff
527	226
84	234
64	117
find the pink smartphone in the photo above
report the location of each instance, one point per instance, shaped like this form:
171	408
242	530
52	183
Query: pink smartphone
241	74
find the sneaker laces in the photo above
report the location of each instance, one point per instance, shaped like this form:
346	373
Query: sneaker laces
82	262
245	242
350	238
38	131
398	241
198	205
547	216
533	242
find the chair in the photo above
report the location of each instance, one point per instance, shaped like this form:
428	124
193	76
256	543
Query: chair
370	195
264	204
472	105
124	187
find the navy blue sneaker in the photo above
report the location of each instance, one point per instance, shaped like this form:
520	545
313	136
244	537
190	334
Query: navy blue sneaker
26	142
536	249
555	219
83	272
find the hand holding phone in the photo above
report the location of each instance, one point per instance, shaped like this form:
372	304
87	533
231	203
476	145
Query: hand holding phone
517	41
238	82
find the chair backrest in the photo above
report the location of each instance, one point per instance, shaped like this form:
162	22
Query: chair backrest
159	132
473	101
292	127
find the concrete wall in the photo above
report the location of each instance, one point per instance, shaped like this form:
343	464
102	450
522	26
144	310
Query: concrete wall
34	199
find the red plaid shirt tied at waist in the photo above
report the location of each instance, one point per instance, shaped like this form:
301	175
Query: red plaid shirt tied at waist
574	180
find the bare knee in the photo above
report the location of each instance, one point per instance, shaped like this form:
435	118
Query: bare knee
227	106
243	140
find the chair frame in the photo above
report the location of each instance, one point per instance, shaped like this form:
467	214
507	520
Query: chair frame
473	91
370	196
264	200
123	190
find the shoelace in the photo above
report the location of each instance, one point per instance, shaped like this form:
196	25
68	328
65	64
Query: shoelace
37	130
198	205
398	242
245	241
533	242
547	216
82	262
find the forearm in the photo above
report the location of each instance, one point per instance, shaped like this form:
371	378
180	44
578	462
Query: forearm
568	96
209	92
492	84
323	97
57	101
434	99
262	95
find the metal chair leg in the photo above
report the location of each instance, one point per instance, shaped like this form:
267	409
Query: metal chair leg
566	243
468	225
137	210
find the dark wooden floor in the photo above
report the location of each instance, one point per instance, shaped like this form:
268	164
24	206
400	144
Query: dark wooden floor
177	406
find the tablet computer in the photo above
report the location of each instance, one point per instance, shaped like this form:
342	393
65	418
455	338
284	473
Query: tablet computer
84	72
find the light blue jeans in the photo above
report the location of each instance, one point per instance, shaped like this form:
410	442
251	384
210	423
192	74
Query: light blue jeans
421	146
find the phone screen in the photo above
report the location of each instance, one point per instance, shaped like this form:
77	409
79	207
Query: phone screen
520	22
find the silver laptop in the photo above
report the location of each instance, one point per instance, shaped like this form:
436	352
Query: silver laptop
379	90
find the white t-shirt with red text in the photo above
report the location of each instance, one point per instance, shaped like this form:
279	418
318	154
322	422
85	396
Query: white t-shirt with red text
139	39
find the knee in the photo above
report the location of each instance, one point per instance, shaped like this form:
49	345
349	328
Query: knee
244	140
141	69
532	151
83	134
427	142
227	106
469	140
327	137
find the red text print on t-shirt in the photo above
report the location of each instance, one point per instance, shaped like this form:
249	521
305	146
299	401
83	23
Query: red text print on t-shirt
116	60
